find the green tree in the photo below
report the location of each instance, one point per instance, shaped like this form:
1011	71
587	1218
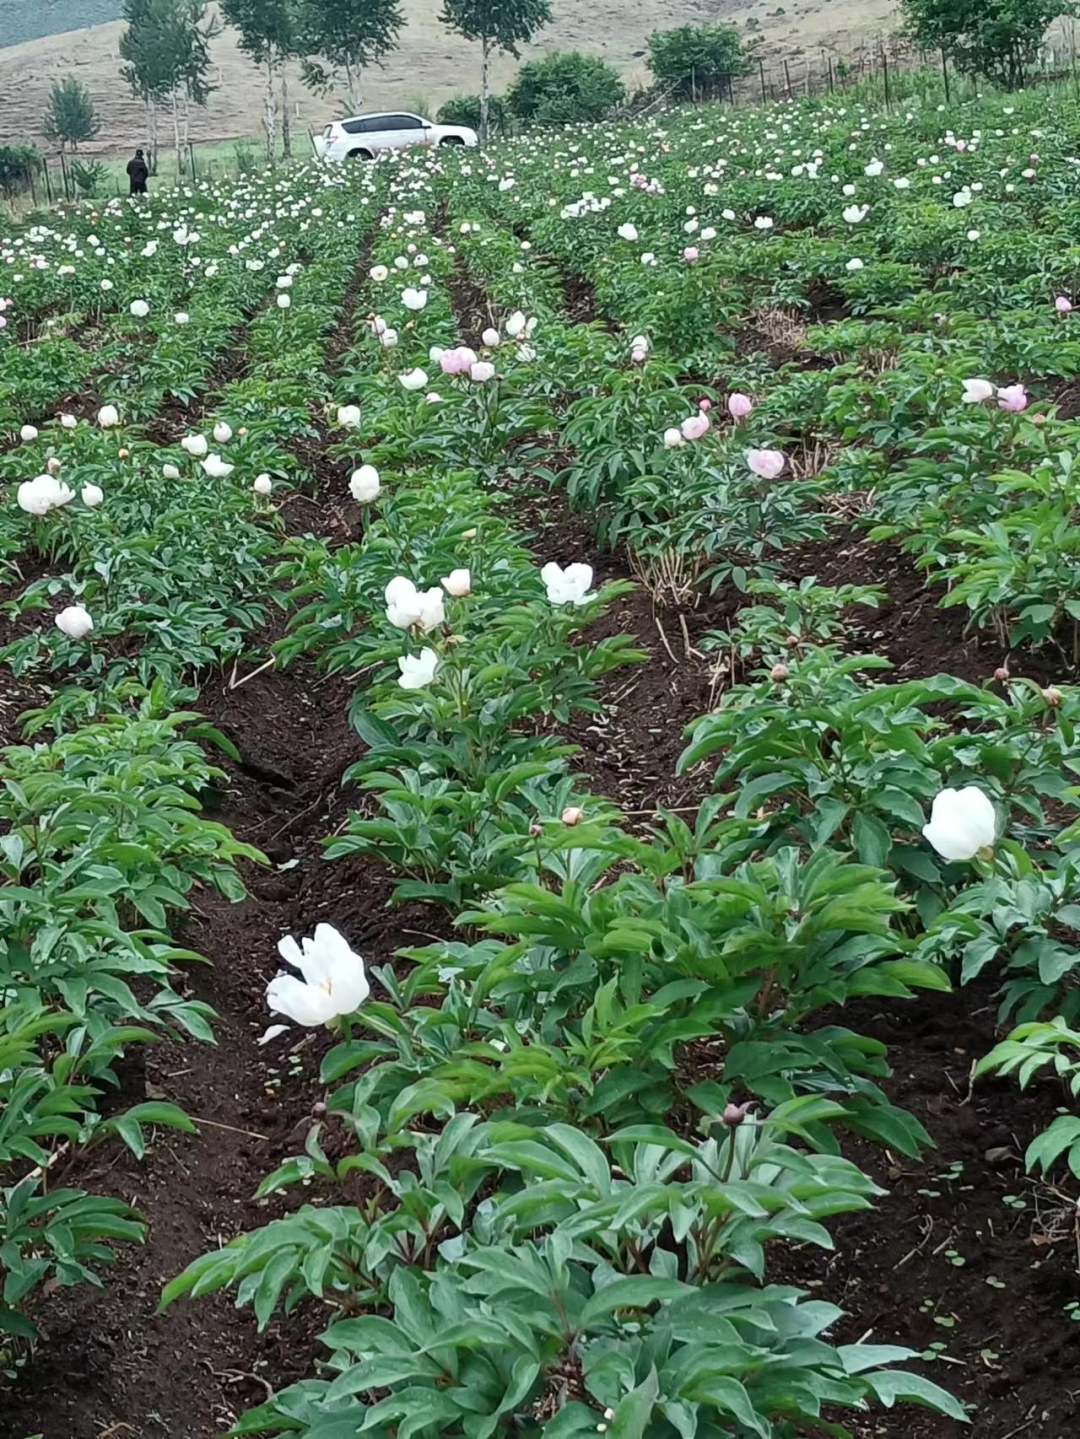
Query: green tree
565	87
341	38
998	39
166	54
498	25
70	117
269	37
697	62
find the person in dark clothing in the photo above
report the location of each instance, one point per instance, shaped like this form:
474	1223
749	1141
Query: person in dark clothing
138	173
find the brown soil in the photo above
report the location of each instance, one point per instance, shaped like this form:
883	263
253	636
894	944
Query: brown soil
1010	1347
910	628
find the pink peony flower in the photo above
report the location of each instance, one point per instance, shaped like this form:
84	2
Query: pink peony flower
767	464
639	356
1063	305
1013	398
695	427
690	254
739	406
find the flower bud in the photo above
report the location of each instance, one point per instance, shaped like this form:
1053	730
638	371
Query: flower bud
1001	674
318	1109
1052	696
778	673
52	464
733	1115
536	829
572	815
123	452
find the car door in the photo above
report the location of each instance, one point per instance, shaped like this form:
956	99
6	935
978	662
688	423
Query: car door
406	130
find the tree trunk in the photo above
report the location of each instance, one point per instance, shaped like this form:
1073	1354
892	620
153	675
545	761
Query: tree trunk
286	119
354	84
151	135
485	97
148	106
269	111
176	134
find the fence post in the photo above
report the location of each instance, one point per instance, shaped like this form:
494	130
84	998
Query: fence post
33	187
191	157
64	168
787	76
885	76
48	181
761	67
832	82
945	74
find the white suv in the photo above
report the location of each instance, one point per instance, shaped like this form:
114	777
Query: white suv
364	136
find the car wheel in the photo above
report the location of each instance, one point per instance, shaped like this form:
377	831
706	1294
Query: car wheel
359	155
451	140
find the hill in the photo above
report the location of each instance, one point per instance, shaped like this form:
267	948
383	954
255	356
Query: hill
430	65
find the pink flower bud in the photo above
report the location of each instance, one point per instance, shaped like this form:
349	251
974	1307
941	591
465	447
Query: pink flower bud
739	406
704	405
779	673
690	254
572	815
639	356
1001	674
734	1114
52	464
1063	305
1052	696
536	829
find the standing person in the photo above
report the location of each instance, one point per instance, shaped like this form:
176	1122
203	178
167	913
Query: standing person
138	173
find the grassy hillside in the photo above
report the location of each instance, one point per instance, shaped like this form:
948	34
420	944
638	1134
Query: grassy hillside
30	19
430	65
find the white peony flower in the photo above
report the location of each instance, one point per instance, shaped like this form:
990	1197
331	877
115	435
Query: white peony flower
348	416
216	467
195	445
364	485
108	416
92	496
417	671
457	583
75	622
413	380
40	495
977	392
962	822
409	608
569	586
333	984
262	484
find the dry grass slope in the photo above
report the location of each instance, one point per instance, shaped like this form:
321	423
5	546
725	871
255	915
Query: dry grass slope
431	64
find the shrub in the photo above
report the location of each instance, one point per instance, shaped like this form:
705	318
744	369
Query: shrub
17	164
565	87
465	110
696	62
